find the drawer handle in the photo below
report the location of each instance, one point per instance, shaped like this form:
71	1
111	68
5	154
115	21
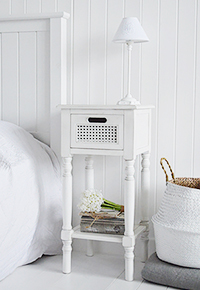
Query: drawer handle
97	120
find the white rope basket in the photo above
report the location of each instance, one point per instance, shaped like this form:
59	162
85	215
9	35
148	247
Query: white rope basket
177	224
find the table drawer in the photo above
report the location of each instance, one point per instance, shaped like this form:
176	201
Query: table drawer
97	131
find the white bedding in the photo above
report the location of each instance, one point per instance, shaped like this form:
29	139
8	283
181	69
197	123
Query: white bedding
30	199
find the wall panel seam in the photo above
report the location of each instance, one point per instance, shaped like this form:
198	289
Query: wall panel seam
71	56
157	103
1	99
89	51
194	86
176	87
18	81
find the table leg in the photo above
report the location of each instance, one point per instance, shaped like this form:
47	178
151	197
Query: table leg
66	234
145	189
89	184
129	209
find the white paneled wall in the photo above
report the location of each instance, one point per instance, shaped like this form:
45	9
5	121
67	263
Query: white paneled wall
166	73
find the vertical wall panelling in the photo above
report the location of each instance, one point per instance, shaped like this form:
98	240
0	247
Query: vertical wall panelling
10	77
27	55
133	9
185	88
97	51
1	102
113	166
68	6
17	6
114	53
197	94
97	64
194	87
166	90
42	81
33	6
57	70
149	80
81	51
165	73
48	5
5	7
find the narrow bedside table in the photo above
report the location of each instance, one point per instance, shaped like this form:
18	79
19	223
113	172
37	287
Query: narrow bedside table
107	130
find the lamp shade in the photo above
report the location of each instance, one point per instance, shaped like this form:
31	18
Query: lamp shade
130	30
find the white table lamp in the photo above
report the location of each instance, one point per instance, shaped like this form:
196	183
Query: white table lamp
130	31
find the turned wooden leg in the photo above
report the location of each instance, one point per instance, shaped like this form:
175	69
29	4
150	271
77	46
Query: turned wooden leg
129	208
66	234
145	190
89	184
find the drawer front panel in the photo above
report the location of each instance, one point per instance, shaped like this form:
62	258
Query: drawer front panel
97	132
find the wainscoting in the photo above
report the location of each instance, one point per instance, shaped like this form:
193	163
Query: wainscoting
166	74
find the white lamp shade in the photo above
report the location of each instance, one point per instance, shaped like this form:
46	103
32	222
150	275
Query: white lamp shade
130	30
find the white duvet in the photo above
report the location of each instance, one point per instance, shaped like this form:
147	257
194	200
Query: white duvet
30	199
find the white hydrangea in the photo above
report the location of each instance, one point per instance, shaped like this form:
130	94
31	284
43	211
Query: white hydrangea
91	200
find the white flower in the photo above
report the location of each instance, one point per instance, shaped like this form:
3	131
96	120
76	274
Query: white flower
91	200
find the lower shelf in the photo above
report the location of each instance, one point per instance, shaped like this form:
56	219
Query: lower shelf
77	234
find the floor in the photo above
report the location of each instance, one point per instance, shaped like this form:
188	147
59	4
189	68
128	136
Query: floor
100	272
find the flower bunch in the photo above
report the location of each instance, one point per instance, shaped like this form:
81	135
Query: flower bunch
92	201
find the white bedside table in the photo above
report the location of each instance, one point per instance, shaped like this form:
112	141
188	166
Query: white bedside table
107	130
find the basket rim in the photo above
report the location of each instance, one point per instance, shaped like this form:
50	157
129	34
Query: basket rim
172	228
181	186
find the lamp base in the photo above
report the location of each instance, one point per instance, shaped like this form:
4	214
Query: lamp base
128	100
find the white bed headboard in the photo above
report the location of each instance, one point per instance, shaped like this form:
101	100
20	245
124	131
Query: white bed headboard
33	68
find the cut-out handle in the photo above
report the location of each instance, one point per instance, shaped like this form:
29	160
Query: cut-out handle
97	120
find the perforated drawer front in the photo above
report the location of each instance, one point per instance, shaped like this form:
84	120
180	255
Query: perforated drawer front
95	131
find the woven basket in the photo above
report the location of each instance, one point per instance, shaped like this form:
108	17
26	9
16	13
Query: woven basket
177	223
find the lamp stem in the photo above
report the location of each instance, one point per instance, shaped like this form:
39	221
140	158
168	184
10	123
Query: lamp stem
129	47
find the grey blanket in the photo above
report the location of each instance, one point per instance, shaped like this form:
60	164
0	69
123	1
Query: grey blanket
163	273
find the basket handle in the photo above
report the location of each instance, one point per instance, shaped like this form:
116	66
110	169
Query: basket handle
172	173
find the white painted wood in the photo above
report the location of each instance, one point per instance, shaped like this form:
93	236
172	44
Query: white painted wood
129	210
48	5
104	237
145	196
149	81
33	6
17	6
35	16
1	109
26	55
67	213
42	81
108	135
89	184
185	87
196	164
73	116
5	7
97	60
89	173
23	26
27	75
114	56
58	77
81	52
162	74
9	78
167	89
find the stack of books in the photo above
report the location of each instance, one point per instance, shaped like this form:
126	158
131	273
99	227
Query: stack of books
105	222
